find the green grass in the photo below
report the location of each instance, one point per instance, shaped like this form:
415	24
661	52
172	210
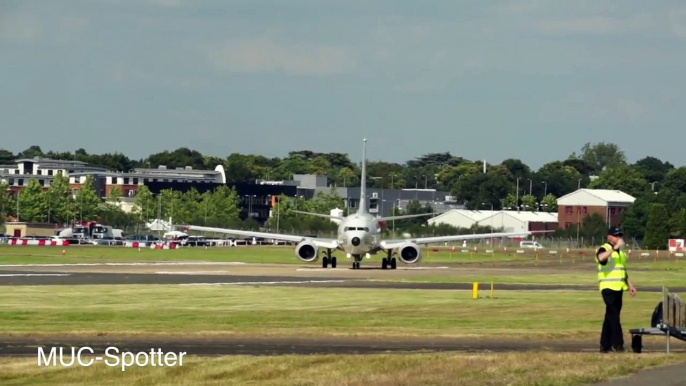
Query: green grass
287	311
248	254
520	369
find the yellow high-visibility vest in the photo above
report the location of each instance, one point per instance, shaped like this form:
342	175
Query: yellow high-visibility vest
612	275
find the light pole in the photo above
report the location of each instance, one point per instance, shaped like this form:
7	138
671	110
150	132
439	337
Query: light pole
531	182
517	199
545	189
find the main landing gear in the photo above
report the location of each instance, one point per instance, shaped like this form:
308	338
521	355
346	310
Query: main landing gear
328	259
388	262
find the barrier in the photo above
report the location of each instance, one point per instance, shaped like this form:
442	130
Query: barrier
669	320
43	242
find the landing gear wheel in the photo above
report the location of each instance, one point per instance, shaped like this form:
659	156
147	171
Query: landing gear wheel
384	263
393	263
333	262
325	262
356	265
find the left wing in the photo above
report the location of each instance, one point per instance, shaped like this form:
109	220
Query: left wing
320	242
389	244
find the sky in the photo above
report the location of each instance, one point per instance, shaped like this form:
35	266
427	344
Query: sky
527	79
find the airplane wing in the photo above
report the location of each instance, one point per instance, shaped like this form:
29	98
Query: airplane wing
318	214
389	218
320	242
389	244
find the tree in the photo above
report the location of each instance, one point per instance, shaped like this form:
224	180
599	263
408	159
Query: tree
652	169
87	201
145	204
6	202
624	178
529	203
60	201
549	203
602	156
657	228
33	205
675	179
677	224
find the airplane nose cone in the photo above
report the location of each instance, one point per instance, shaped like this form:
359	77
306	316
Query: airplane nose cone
355	241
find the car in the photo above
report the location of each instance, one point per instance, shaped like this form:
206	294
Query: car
530	244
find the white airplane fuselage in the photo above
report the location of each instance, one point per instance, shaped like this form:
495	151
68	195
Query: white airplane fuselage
357	234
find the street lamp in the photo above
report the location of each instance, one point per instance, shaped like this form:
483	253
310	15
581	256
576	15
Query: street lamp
545	189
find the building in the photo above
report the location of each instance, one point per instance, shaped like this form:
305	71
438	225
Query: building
44	171
609	204
508	220
24	229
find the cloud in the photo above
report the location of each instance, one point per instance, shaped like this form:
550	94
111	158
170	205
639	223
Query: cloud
20	28
677	22
592	104
264	55
595	25
167	3
123	72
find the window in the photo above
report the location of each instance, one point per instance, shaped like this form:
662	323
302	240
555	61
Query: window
126	180
20	182
613	211
135	181
568	210
585	210
567	225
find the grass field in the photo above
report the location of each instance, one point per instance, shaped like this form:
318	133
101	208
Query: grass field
254	311
251	311
348	370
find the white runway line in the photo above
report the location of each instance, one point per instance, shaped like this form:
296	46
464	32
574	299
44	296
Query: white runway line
121	264
186	272
265	282
32	274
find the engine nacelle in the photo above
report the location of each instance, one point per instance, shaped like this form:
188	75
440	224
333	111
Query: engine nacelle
306	251
409	253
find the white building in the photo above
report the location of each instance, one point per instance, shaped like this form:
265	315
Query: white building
461	218
510	221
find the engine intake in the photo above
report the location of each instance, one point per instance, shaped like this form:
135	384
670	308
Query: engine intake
306	251
410	253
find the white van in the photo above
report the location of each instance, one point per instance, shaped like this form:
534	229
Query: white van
530	244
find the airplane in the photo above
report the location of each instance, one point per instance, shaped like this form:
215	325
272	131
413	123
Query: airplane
357	235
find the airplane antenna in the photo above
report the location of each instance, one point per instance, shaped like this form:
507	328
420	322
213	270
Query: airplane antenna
363	183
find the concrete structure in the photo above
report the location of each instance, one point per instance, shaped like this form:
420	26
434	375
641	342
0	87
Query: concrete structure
610	204
508	220
23	229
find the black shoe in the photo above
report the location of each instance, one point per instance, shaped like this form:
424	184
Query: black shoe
604	350
618	349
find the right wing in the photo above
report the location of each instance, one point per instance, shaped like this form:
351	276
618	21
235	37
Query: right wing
320	242
389	218
390	244
319	214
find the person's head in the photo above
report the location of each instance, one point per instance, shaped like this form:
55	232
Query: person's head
613	234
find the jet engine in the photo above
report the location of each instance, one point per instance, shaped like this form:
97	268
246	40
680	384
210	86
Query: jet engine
306	251
409	253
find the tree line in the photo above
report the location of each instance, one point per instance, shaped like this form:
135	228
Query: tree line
659	187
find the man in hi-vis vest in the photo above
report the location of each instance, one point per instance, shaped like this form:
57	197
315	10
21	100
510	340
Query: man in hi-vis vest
614	280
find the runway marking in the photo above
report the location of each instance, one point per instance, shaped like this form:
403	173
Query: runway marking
122	264
33	274
186	273
265	282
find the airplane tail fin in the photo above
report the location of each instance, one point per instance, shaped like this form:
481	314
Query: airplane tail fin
363	182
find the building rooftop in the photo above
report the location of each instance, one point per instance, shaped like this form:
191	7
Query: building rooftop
607	195
528	216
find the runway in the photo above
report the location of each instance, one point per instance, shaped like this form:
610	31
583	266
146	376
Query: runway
217	278
32	278
265	346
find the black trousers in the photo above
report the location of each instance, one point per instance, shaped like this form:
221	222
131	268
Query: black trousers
611	336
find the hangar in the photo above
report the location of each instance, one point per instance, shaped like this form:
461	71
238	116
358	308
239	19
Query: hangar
509	220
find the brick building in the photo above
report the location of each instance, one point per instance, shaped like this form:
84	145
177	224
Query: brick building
610	204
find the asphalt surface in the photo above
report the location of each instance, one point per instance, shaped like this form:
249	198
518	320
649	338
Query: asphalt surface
28	346
32	278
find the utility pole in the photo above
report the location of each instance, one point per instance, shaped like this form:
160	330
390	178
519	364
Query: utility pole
531	182
517	199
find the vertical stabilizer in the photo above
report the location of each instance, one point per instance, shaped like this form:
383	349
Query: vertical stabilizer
363	182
